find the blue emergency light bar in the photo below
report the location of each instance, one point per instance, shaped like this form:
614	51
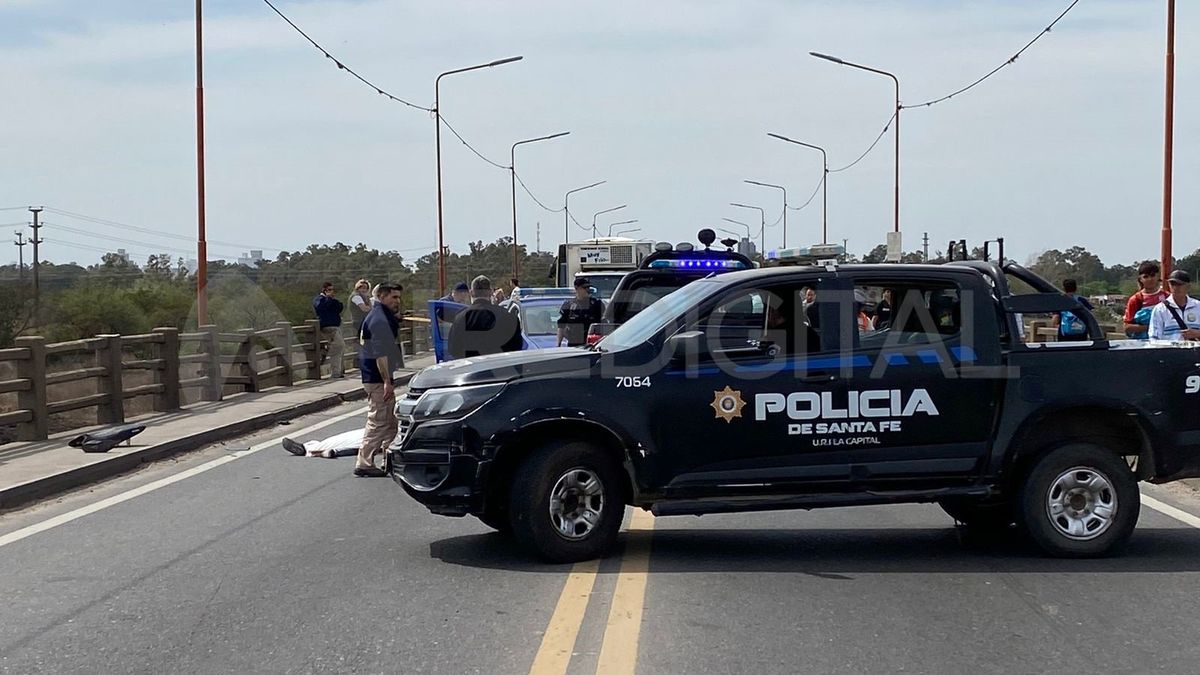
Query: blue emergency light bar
698	264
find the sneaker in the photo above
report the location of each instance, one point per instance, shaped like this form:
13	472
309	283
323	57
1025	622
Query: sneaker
294	447
369	472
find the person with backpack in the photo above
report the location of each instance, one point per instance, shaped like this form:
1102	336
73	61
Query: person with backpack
1072	327
1177	317
1141	304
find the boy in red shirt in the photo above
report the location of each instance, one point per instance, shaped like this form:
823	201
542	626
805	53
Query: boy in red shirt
1151	293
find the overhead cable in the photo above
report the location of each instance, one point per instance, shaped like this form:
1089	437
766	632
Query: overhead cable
812	196
1000	67
343	66
863	156
472	148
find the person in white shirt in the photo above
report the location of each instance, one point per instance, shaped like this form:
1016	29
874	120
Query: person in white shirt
1177	317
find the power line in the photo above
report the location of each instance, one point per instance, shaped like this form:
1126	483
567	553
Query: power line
470	147
343	66
534	198
151	246
999	67
863	156
145	230
812	196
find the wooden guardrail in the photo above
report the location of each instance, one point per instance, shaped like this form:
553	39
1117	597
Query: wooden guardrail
208	361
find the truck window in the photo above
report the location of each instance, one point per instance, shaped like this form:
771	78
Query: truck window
905	312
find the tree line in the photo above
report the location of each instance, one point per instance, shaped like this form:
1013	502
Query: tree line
117	295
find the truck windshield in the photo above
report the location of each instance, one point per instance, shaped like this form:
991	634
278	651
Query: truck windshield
649	321
604	284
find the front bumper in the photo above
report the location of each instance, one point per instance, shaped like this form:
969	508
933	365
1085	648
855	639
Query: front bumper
440	464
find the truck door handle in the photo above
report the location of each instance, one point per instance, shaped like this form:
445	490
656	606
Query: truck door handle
818	378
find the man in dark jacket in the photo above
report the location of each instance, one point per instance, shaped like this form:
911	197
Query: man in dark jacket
578	314
378	360
329	314
484	328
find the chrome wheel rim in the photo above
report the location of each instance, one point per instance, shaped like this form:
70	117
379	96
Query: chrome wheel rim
1081	503
576	503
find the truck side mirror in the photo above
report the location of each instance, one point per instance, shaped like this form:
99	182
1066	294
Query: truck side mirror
681	346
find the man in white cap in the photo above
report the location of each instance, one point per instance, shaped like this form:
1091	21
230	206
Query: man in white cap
1177	317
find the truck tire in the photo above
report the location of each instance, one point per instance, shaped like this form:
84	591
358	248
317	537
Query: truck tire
980	515
568	506
1080	500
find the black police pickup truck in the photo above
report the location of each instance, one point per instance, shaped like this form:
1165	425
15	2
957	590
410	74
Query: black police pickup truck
731	395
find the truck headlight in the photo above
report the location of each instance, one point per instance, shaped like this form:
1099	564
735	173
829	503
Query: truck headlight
454	401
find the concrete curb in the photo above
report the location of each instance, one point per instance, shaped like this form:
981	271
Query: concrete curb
58	483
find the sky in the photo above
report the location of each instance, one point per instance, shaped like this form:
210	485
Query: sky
669	102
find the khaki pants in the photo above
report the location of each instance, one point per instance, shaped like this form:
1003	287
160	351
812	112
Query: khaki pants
337	350
381	425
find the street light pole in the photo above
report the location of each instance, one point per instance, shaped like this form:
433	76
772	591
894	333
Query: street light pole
1168	140
598	213
632	229
748	237
622	222
567	211
437	125
512	170
762	229
785	204
834	59
824	185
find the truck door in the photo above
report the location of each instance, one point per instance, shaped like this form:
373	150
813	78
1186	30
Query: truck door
733	420
922	403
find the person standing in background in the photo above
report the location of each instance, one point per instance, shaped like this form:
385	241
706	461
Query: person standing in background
360	304
1141	304
329	314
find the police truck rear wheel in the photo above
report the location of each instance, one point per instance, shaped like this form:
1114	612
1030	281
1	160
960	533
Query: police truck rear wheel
566	502
1080	500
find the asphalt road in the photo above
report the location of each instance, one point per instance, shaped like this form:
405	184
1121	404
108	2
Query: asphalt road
270	563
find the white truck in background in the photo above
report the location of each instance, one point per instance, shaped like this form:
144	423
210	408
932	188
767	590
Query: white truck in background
602	260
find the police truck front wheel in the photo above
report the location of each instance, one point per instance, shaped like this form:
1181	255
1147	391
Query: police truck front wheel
566	502
1079	500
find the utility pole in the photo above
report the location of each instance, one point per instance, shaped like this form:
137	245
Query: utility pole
201	225
20	243
35	241
925	248
1168	140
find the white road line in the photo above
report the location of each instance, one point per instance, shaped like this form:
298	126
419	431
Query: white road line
69	516
1166	509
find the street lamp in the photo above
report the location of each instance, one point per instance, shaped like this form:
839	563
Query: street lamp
622	222
567	212
840	62
512	170
762	227
824	187
736	222
632	229
785	205
437	122
600	213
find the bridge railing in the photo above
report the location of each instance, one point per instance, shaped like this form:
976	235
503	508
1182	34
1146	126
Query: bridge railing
105	372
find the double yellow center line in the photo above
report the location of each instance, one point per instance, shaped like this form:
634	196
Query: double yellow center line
618	652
